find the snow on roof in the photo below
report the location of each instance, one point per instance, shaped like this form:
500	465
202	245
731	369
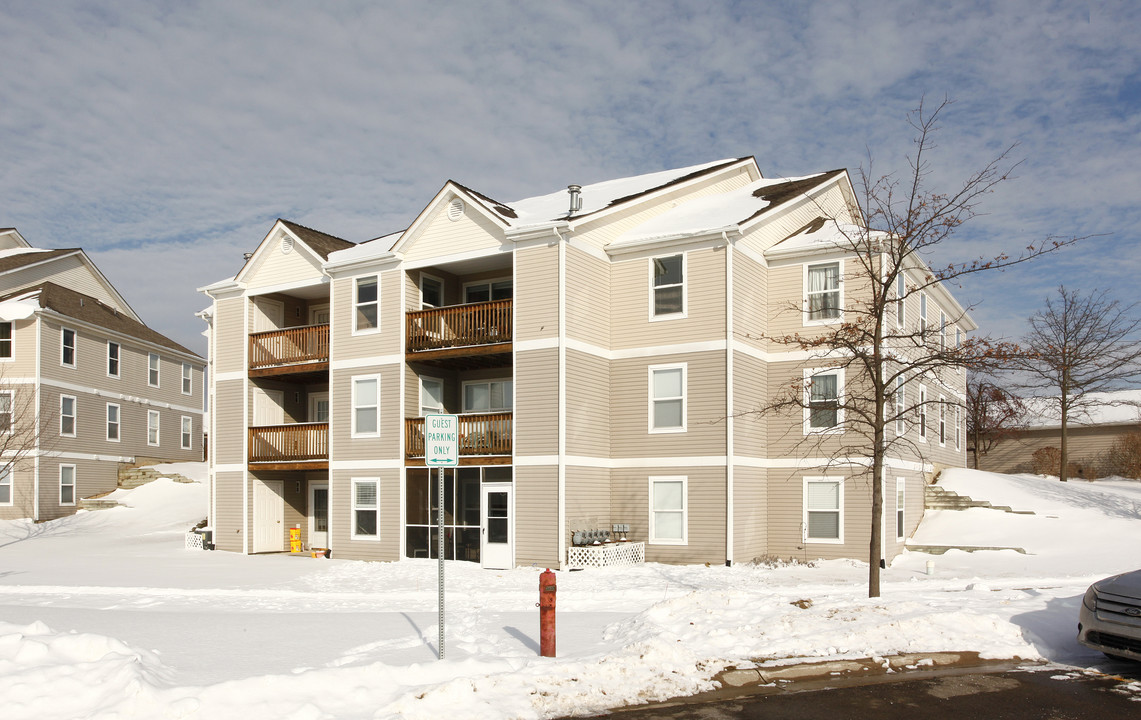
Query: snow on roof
1108	408
369	249
20	251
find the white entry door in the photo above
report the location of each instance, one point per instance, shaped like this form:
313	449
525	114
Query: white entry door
269	516
269	407
497	527
319	515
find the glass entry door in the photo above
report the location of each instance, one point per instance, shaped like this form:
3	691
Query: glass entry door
497	547
319	516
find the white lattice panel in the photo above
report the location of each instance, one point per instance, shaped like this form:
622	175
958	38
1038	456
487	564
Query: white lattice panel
194	541
608	555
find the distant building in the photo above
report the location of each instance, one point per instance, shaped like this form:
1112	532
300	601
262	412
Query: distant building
85	385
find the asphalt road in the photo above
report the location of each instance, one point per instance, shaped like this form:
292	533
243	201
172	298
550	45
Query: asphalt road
1052	693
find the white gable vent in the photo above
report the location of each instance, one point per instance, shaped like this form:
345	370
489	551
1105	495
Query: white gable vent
455	209
286	244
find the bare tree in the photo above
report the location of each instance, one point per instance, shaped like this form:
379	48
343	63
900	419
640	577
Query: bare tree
885	269
22	433
993	414
1076	346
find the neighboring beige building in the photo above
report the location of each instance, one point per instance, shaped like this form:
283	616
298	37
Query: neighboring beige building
85	386
599	344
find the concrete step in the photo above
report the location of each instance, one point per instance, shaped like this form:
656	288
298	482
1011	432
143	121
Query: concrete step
941	549
937	498
97	503
135	477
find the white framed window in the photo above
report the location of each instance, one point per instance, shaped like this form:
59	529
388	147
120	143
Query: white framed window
823	510
431	291
667	286
152	370
366	304
668	398
922	413
67	355
900	498
942	421
488	396
187	432
487	290
366	509
923	316
113	422
113	350
431	396
669	507
5	411
6	486
942	331
958	428
900	299
67	415
187	378
366	406
823	300
958	338
152	427
66	484
5	341
823	394
900	406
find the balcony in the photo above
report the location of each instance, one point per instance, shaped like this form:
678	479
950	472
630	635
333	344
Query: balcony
485	439
303	349
295	446
471	335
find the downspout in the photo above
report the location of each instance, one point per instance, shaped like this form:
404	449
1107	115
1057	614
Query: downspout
37	430
247	547
562	524
729	407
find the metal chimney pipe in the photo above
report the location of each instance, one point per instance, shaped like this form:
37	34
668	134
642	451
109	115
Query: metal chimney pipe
575	198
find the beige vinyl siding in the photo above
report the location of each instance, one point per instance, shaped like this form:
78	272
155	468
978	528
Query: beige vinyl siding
750	429
705	407
229	336
300	265
798	213
536	304
705	528
23	493
69	272
786	515
347	346
226	446
389	516
588	290
227	520
23	361
613	226
750	301
587	499
588	405
92	477
536	507
1084	445
750	514
537	402
387	446
440	236
704	321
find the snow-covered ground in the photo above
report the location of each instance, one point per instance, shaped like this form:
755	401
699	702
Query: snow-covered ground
105	615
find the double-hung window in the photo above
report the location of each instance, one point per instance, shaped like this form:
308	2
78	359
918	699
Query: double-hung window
667	285
900	294
900	406
668	509
113	359
942	421
487	396
152	369
6	486
900	528
366	315
366	406
152	427
187	374
922	414
923	316
187	432
823	510
487	291
5	340
822	292
67	348
67	415
113	422
5	411
366	508
942	331
66	484
667	398
822	391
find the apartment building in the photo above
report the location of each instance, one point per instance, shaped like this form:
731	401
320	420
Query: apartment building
85	385
602	346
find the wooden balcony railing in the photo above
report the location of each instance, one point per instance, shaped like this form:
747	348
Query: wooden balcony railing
294	442
289	346
484	323
482	434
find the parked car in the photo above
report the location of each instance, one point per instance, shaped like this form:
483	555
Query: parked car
1110	618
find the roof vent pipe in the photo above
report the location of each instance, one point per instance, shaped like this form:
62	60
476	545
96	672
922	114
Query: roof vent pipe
575	198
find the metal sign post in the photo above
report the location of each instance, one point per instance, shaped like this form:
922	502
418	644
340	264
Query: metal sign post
441	450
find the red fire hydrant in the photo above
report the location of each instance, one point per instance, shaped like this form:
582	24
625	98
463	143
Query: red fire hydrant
547	589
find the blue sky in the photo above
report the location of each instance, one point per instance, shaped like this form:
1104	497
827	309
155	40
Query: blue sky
165	137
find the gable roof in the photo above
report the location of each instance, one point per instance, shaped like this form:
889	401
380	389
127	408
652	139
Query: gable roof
66	301
319	242
18	258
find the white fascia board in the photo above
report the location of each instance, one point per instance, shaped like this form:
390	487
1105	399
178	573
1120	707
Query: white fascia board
223	288
444	195
712	236
287	287
542	231
357	266
117	336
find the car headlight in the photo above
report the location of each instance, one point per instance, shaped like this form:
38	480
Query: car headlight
1090	599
